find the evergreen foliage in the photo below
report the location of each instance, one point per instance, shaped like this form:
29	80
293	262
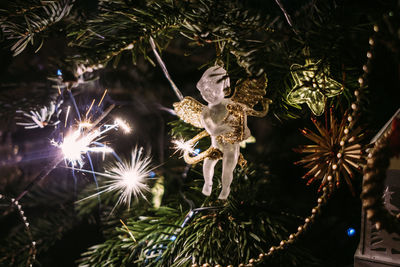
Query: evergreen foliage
176	225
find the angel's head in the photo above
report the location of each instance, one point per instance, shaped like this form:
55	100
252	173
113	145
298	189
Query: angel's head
212	84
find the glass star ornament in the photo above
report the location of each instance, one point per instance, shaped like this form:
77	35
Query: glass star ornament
312	86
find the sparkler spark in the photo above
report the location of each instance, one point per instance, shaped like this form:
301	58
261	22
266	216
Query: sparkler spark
78	143
84	139
125	127
183	146
127	178
40	119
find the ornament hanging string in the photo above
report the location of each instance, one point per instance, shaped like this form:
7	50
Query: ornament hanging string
164	69
287	16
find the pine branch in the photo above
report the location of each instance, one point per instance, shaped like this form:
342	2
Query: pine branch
121	27
237	231
46	228
242	229
22	22
141	240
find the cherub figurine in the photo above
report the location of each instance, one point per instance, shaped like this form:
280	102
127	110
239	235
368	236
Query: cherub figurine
224	119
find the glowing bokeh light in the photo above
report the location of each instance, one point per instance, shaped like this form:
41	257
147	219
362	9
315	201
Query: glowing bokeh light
351	231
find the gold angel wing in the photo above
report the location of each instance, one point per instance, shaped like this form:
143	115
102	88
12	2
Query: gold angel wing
189	110
250	92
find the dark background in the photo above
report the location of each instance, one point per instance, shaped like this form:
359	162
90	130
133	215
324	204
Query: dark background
141	93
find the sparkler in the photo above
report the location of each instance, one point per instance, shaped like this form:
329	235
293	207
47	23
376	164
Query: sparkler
125	127
81	140
129	178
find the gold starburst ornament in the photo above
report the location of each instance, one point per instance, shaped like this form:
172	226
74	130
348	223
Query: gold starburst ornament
337	152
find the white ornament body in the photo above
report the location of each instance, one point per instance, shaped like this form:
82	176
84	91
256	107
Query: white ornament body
215	119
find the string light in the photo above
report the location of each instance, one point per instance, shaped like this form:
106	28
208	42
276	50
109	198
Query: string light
351	231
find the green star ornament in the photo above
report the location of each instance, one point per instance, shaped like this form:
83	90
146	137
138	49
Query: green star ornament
313	86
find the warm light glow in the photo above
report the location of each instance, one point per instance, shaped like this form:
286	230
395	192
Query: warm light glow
85	124
129	178
125	127
181	145
72	148
78	143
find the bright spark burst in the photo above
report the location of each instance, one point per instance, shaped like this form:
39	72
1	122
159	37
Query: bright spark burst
183	146
83	140
78	143
128	178
47	116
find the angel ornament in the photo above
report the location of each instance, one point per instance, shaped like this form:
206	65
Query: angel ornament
224	120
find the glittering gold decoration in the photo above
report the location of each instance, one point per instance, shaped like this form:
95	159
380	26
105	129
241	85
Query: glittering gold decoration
336	153
189	110
211	152
247	94
312	86
235	118
250	92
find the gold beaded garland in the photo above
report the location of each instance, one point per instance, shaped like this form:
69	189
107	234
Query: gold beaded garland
32	245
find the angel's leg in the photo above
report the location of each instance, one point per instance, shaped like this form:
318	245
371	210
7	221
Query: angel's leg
208	173
229	161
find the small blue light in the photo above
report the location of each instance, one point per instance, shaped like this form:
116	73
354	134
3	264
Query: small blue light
351	231
152	174
197	151
59	73
173	238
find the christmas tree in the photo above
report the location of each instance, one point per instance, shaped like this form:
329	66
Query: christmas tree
190	133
